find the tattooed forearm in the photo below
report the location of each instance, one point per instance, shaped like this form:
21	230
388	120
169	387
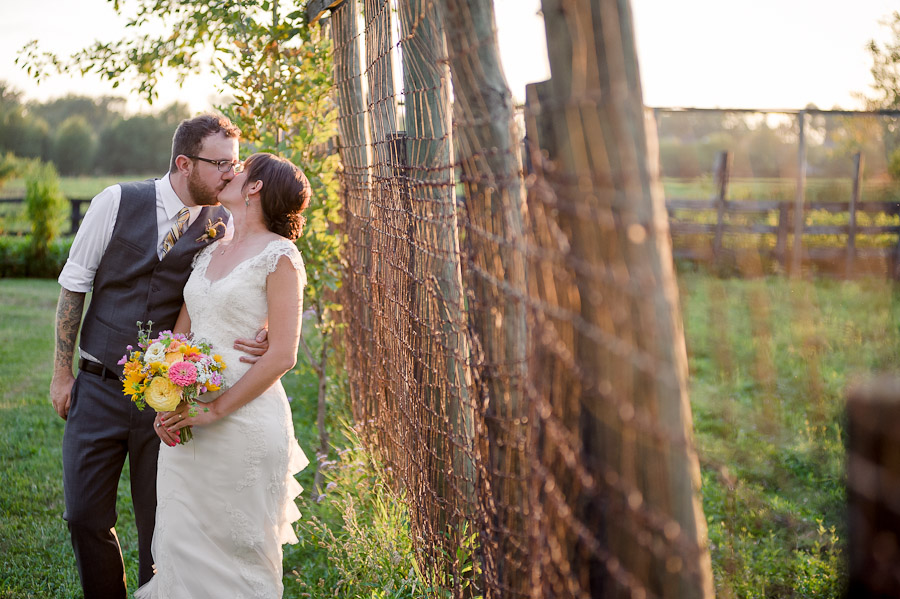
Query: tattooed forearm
68	319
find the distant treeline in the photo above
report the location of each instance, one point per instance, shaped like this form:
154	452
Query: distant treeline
765	144
87	136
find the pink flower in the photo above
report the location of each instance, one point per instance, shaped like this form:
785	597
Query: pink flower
183	373
123	360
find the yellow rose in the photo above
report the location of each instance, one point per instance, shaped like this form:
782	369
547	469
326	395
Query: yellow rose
162	395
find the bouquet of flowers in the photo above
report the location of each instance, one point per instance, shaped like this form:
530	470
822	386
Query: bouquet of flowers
170	369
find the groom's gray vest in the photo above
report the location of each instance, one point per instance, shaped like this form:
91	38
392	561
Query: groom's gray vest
132	284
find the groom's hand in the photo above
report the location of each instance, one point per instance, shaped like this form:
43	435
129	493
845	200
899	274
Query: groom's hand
254	348
61	393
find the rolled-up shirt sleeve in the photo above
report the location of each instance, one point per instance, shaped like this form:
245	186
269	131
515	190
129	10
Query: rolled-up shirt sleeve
91	241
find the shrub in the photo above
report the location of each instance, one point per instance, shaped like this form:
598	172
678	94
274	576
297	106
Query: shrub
45	207
18	258
894	165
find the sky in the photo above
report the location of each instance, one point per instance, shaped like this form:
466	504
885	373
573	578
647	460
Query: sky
777	54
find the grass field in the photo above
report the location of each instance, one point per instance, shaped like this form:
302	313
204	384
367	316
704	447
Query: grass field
74	187
769	362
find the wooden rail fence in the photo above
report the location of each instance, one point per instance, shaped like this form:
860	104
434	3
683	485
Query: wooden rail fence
684	224
705	241
75	213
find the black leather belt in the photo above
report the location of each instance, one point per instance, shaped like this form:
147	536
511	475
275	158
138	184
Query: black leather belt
95	368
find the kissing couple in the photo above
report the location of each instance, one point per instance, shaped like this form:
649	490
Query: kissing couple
207	250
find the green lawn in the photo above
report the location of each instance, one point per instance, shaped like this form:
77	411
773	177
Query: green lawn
359	521
769	362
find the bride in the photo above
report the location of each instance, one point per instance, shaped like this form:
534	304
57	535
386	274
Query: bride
226	498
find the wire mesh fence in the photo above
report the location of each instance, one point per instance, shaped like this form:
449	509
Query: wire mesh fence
514	338
513	348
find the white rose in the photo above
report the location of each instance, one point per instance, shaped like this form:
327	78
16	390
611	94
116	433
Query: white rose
155	353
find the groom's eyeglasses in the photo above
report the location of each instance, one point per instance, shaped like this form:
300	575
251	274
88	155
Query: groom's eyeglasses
223	165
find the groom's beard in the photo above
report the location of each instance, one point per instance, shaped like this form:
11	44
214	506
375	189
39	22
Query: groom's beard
201	193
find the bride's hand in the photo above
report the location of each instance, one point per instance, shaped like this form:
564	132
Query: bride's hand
170	439
184	416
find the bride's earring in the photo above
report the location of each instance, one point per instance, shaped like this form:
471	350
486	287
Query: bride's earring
247	201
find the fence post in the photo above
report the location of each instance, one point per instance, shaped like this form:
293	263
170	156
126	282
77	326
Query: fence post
355	183
74	216
784	220
721	168
437	297
610	384
490	169
798	198
873	411
854	200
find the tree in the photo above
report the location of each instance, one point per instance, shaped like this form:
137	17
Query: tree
885	87
141	144
886	67
74	147
98	112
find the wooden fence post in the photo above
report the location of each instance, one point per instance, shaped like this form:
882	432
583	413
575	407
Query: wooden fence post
799	195
627	413
873	486
490	169
854	200
721	168
356	188
784	223
438	300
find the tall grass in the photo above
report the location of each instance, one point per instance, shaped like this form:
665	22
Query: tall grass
769	362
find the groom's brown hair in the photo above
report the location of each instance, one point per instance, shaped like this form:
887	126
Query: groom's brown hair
190	134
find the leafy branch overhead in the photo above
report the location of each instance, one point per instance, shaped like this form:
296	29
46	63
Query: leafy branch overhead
276	67
188	37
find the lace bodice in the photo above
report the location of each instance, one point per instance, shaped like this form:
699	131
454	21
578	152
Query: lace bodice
235	305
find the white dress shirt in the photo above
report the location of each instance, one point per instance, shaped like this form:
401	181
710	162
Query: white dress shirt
97	227
96	230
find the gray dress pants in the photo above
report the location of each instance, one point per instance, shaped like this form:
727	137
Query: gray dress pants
103	427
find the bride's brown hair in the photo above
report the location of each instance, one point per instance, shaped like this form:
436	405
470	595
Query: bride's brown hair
285	193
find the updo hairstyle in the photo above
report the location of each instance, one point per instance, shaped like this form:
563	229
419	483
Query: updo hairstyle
285	193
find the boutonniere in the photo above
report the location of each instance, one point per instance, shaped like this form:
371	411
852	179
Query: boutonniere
212	230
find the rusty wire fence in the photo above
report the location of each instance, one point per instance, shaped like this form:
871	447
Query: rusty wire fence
513	346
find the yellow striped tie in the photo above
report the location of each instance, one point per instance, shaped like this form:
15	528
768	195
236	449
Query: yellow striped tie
176	230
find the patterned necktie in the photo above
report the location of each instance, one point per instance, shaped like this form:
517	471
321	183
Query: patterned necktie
176	230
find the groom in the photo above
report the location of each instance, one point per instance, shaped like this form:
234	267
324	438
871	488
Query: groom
134	250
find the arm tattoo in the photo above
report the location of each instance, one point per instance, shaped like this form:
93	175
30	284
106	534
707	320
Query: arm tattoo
68	320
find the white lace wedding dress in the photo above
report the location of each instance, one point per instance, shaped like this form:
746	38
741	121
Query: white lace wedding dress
226	498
